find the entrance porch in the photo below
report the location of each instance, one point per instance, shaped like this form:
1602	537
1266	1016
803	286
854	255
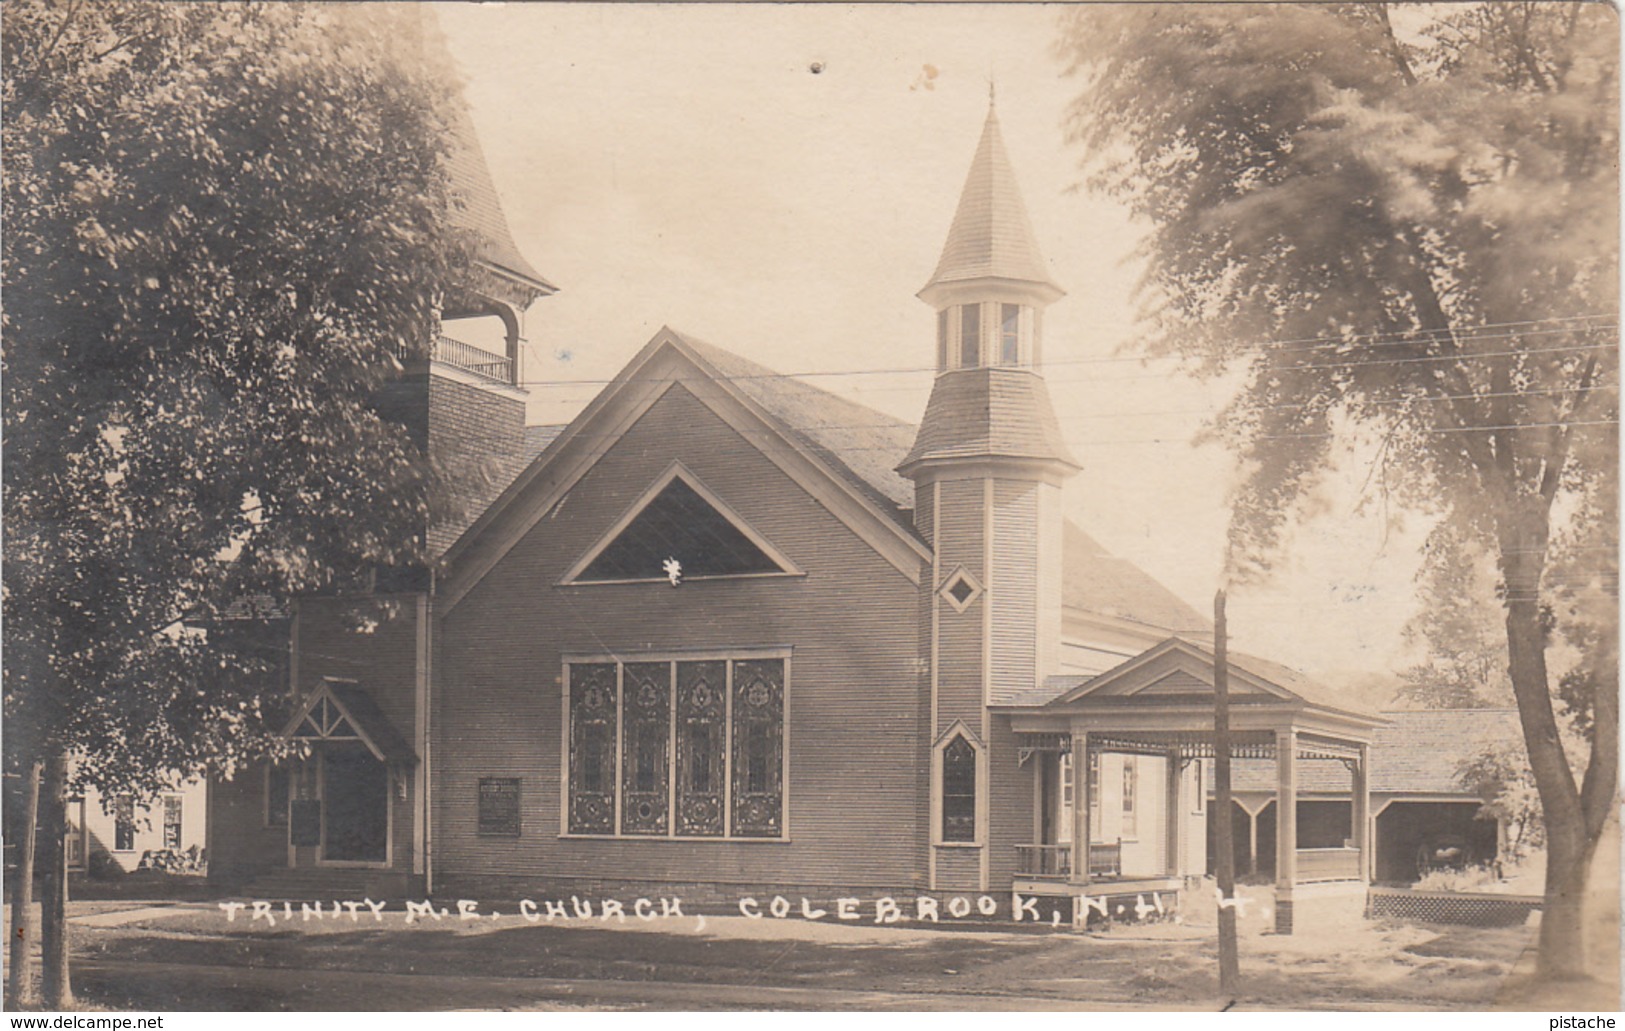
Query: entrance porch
1152	717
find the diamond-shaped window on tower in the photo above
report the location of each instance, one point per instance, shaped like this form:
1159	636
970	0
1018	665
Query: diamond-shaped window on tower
960	589
679	531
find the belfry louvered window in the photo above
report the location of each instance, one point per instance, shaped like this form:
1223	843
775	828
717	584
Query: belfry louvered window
690	749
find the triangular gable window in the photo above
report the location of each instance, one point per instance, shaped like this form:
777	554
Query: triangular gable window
680	532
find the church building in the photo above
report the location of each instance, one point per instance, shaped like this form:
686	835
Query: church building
727	634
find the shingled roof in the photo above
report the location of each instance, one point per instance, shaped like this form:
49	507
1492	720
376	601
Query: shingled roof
865	447
991	235
859	444
1417	753
421	39
1100	582
976	413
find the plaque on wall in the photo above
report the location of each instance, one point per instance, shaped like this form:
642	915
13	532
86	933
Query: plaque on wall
305	822
499	806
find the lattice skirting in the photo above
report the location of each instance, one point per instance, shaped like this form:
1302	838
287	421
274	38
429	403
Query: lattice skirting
1446	907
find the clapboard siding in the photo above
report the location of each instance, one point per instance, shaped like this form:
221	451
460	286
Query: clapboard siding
1147	853
1014	592
1051	561
1010	788
959	869
854	702
960	541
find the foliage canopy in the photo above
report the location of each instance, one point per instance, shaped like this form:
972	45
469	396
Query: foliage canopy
226	223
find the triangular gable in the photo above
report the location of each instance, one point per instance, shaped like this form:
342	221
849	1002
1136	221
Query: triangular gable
665	362
678	519
1174	667
337	711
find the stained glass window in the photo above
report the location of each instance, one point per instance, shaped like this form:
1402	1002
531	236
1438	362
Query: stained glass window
701	746
970	336
646	731
758	746
959	790
592	748
691	760
678	524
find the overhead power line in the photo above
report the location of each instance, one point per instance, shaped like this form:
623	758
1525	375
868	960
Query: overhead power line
1489	331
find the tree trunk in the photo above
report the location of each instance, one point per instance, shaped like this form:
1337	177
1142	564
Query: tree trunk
23	926
57	988
1568	844
1562	922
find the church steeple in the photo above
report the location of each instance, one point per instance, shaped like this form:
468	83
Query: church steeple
987	466
990	288
991	237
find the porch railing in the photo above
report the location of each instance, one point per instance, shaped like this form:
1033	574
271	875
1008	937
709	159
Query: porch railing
498	367
1044	861
1328	864
1105	860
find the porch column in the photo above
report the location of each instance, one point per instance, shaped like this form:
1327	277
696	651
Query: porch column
1252	840
1362	811
1080	806
1286	826
1174	811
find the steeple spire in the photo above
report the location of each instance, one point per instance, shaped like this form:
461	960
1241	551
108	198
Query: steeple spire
991	236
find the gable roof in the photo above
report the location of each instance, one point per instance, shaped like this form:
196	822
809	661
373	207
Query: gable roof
833	452
356	707
858	443
1257	677
863	448
1416	753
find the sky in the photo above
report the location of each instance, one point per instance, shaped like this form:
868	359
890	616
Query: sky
779	180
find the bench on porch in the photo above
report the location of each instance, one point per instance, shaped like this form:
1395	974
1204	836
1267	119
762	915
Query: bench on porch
1105	860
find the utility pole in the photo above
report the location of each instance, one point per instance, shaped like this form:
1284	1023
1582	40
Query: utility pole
1223	830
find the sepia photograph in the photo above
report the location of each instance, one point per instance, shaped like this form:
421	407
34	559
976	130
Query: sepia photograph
885	507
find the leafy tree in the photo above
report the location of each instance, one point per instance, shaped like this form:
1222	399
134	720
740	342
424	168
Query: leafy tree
1406	238
1466	654
225	223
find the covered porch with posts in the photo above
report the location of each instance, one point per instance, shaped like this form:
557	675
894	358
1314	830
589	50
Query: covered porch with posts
1149	724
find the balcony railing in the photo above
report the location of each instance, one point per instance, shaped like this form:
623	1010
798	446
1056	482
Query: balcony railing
495	367
1055	861
1328	864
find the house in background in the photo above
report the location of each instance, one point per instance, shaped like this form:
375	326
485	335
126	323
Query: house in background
124	836
730	634
1420	814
